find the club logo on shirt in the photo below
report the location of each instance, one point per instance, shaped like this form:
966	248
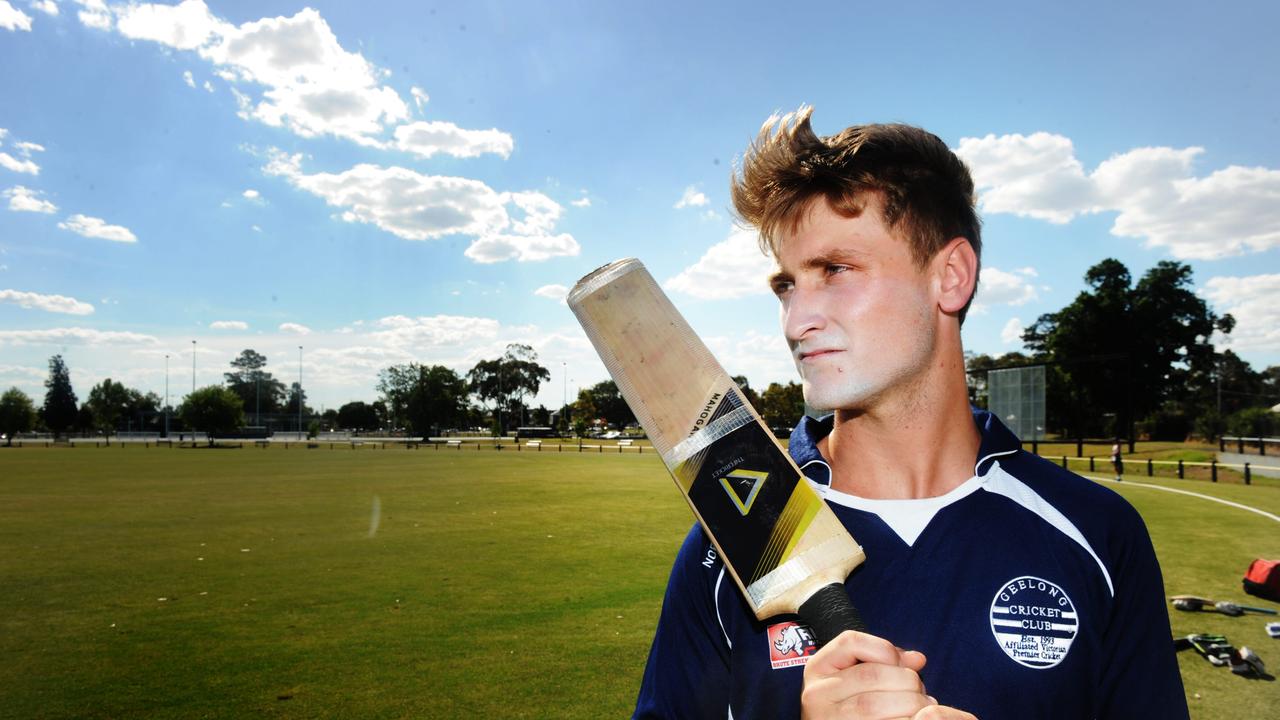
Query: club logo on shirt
790	644
1034	622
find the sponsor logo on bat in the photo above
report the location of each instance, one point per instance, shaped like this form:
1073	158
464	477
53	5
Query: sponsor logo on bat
790	644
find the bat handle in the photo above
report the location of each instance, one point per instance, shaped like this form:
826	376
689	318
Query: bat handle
829	612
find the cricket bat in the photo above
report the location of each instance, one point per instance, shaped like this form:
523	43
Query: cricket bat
785	549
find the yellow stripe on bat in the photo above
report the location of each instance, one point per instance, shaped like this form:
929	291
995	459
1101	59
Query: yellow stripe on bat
795	519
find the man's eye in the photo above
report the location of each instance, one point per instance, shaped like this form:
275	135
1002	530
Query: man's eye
836	269
781	287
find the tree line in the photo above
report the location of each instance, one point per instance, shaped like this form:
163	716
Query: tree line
1123	359
1136	359
413	399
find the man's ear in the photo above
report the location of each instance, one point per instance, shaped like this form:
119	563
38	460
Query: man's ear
957	273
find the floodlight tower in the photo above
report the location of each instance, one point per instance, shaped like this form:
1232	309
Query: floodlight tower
193	366
166	395
299	392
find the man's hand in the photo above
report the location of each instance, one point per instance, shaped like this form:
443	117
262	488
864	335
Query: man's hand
862	677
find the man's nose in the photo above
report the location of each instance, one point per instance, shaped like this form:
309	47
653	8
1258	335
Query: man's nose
802	313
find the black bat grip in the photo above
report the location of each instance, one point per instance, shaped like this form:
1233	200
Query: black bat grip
829	612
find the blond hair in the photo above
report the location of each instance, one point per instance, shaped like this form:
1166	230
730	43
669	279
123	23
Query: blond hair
927	192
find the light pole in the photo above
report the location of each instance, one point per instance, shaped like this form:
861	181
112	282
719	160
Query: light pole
193	366
299	392
166	395
564	393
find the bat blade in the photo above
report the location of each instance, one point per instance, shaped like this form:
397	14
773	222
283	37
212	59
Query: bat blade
782	545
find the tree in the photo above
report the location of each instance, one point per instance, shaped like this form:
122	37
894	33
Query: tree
438	399
1121	352
109	403
781	406
603	401
357	416
296	402
258	390
216	410
61	407
508	380
394	385
17	414
751	395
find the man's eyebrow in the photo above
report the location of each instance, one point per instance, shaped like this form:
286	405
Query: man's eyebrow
838	256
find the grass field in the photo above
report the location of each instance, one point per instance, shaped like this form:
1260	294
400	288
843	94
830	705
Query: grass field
399	583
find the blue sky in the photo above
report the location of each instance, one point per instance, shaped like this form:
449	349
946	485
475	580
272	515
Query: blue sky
391	182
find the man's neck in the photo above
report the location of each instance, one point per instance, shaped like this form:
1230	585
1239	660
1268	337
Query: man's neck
921	443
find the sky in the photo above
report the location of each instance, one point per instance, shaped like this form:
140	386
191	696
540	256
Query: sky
348	186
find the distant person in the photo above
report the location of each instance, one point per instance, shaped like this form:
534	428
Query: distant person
1116	461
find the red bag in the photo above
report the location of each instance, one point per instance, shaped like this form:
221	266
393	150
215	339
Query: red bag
1263	579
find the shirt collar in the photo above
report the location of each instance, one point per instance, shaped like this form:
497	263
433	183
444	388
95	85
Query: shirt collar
997	439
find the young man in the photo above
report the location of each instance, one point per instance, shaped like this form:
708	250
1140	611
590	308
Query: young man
996	584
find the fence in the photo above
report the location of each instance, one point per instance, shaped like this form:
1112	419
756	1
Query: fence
1243	443
1150	464
292	440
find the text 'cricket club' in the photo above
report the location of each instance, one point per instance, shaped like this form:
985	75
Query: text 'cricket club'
1033	621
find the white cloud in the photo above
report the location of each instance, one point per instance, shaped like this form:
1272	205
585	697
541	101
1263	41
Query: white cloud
95	14
23	199
26	148
229	325
582	202
1254	301
1036	175
312	86
400	331
11	18
997	287
426	139
251	194
1229	212
93	227
48	303
295	328
732	268
1012	332
522	248
414	206
552	292
400	201
208	86
186	26
419	97
692	197
188	78
9	162
74	336
48	7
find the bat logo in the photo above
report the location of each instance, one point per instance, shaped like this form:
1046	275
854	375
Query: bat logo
743	486
790	644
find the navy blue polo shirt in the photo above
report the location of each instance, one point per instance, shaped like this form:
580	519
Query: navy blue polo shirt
1033	592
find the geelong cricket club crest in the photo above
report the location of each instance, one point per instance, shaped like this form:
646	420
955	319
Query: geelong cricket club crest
790	644
1034	622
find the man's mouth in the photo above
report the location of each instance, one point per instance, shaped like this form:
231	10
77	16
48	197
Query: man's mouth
817	354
